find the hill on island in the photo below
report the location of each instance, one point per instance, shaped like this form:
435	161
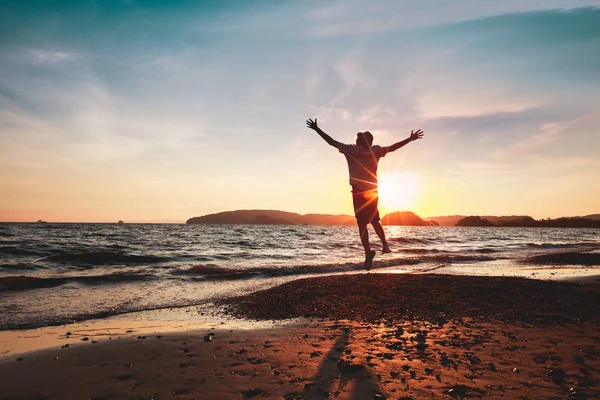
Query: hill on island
529	222
405	218
474	221
277	217
452	220
400	218
272	217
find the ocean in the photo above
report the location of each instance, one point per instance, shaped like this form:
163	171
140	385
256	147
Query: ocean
52	274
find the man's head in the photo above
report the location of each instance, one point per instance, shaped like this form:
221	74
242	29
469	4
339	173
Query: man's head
364	139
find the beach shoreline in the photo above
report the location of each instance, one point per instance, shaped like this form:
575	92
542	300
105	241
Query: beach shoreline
185	319
384	354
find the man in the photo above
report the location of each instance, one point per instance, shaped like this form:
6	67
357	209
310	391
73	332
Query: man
363	159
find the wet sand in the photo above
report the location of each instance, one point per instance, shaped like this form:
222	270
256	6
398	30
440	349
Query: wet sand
565	258
357	337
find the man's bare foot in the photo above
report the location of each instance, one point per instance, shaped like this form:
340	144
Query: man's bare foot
386	249
369	260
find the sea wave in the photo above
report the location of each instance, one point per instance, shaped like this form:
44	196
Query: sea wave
242	243
13	250
450	258
103	258
20	266
22	282
218	273
568	258
487	250
418	251
212	272
410	240
105	235
563	245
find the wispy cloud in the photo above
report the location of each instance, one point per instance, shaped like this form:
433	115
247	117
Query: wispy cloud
362	17
551	133
41	56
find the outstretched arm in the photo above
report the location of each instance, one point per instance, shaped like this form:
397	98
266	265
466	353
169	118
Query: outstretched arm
313	125
413	136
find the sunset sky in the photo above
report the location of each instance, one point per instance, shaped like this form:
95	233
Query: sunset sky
165	110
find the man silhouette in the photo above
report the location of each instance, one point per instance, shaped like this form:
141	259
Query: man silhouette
363	159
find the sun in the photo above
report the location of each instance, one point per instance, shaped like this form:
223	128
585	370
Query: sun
398	191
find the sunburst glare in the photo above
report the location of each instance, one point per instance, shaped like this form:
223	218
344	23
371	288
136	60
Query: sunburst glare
398	191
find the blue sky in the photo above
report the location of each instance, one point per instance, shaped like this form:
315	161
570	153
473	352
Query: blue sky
169	109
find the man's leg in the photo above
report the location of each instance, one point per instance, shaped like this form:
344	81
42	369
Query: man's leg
364	238
379	231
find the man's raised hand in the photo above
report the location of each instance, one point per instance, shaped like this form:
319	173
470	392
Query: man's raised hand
416	135
312	124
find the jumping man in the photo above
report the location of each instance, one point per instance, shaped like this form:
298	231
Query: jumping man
362	165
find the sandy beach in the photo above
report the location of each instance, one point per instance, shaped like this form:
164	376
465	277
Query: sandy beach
362	336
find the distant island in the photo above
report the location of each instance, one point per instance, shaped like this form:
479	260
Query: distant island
398	218
516	220
272	217
452	220
276	217
529	222
405	218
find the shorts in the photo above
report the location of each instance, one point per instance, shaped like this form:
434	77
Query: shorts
365	203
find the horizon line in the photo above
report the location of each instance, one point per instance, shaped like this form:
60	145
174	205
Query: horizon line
184	222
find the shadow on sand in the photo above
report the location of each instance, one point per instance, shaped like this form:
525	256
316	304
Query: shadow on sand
337	374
